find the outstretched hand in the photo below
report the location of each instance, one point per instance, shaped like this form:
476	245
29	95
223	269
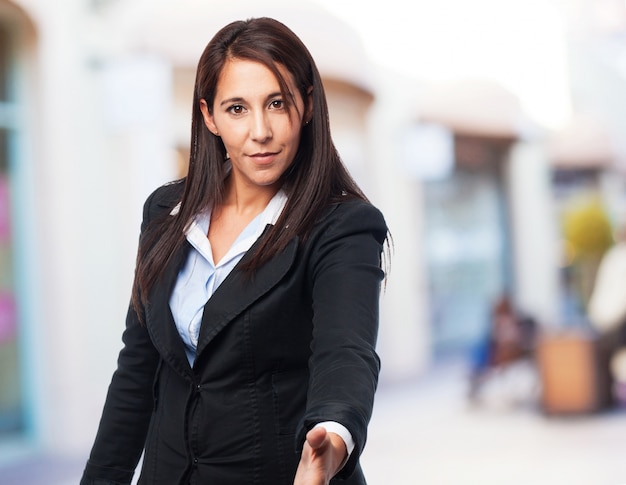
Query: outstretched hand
323	455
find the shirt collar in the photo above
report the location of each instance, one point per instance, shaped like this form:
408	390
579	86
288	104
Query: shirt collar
197	231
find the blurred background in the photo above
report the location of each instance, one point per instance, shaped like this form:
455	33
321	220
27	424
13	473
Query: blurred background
491	133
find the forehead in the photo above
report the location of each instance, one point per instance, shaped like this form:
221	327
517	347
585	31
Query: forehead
245	78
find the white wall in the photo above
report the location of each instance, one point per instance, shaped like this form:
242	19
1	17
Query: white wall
98	143
535	238
404	342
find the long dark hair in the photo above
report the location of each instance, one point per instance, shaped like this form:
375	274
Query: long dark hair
315	179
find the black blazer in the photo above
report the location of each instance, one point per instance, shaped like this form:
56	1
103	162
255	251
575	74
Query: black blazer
278	353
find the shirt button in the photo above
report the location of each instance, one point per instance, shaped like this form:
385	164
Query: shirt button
198	388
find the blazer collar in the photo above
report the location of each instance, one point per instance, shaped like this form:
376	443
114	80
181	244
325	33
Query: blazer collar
240	290
236	293
160	321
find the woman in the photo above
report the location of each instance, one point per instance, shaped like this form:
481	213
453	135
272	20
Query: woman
248	352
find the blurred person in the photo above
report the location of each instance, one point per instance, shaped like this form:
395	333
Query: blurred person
510	337
618	371
249	349
606	308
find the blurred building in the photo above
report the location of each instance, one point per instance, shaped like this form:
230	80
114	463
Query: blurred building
95	103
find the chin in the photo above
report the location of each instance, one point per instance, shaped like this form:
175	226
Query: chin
268	183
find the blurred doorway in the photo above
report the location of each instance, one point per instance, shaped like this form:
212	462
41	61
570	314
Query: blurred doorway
467	243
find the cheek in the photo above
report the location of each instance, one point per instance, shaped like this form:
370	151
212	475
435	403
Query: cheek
232	137
295	139
292	132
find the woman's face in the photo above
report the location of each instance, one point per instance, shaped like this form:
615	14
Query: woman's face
260	133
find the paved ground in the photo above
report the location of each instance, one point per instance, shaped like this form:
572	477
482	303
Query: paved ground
429	434
425	433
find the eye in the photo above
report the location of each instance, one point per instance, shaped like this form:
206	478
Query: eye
236	109
277	104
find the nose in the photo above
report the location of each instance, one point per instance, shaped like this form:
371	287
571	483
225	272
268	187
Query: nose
260	129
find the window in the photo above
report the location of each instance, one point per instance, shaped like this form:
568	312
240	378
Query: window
10	394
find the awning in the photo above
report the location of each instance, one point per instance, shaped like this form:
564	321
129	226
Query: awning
473	107
180	30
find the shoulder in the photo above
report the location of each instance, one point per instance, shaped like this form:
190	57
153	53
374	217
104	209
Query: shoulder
167	195
163	199
353	215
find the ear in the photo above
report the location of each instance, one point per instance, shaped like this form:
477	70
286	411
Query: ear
208	117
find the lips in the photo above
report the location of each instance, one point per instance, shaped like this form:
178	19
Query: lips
264	158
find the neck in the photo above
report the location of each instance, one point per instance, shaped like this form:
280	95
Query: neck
248	198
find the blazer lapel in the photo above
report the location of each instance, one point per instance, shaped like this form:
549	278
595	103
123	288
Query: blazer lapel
160	321
238	291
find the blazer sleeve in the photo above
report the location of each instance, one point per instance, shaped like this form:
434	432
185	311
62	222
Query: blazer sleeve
128	407
346	279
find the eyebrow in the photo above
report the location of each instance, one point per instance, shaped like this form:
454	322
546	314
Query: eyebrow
239	99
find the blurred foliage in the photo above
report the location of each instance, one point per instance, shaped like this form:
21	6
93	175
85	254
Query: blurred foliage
588	231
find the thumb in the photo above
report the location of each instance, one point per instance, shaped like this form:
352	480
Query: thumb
316	437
